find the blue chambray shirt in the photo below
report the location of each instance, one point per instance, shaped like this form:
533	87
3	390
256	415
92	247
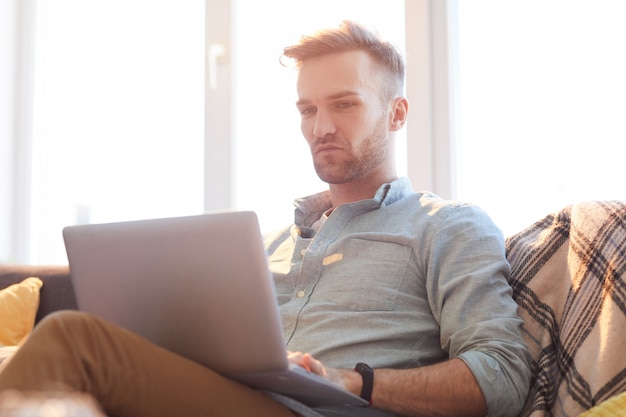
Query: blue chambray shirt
402	280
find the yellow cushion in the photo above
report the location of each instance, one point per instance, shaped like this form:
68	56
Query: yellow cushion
18	307
613	407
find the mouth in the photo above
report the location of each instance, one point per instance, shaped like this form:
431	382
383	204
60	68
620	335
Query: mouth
328	148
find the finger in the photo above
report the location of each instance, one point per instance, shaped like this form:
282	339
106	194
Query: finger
313	365
300	359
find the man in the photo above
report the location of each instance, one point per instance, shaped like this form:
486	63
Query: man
371	272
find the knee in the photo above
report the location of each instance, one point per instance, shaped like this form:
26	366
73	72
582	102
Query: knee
59	323
64	317
54	337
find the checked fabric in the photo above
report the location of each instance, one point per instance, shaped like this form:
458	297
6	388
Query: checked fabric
568	277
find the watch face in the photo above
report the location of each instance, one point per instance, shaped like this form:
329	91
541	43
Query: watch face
363	368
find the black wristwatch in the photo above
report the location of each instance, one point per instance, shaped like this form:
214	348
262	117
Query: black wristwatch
367	373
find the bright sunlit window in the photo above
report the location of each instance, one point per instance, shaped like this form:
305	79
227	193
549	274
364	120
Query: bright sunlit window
118	118
119	109
542	104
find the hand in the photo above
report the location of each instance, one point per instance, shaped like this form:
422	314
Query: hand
308	362
347	379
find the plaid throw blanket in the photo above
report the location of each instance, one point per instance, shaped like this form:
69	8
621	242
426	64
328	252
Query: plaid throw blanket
568	276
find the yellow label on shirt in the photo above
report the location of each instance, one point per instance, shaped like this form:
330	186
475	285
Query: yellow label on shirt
331	259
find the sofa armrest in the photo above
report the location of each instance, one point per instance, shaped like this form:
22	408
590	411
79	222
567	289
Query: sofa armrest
57	292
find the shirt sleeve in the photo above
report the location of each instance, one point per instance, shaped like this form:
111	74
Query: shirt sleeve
469	294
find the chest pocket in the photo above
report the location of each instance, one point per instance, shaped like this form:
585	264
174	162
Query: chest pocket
364	275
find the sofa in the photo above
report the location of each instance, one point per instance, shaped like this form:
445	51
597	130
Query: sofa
56	293
568	275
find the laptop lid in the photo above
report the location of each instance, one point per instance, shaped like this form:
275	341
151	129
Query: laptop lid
184	283
196	285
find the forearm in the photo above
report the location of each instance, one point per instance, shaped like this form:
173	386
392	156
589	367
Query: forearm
446	389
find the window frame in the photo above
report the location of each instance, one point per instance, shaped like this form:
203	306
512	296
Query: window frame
431	71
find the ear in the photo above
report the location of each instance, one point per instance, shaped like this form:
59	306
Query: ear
399	111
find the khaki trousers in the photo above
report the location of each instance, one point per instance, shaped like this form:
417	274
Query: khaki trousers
126	374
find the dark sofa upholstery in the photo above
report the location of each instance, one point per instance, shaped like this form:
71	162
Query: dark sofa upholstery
57	292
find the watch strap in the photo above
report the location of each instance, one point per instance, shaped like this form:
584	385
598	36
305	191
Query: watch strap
367	374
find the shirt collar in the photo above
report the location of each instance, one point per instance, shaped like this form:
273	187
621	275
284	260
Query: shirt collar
311	208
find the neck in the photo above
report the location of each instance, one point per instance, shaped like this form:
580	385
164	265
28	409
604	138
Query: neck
356	190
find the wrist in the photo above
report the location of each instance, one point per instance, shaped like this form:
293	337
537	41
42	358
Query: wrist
352	381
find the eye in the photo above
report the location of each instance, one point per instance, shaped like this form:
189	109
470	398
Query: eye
306	111
345	105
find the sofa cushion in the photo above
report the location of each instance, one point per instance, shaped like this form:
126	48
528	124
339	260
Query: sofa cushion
18	307
57	292
613	407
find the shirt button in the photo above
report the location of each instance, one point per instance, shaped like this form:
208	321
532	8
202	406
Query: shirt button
300	294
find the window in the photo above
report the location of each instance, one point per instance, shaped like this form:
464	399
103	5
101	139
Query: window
119	89
542	99
118	116
119	110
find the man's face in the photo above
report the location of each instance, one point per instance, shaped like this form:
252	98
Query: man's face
343	119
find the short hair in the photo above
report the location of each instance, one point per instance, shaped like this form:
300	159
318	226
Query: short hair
350	36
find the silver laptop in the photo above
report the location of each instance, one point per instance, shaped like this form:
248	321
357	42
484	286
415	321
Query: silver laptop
199	286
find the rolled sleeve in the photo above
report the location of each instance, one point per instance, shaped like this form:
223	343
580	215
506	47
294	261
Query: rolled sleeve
471	299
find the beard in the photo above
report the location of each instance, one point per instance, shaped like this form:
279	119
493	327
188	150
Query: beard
371	153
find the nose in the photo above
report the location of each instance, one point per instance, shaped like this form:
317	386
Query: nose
324	124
